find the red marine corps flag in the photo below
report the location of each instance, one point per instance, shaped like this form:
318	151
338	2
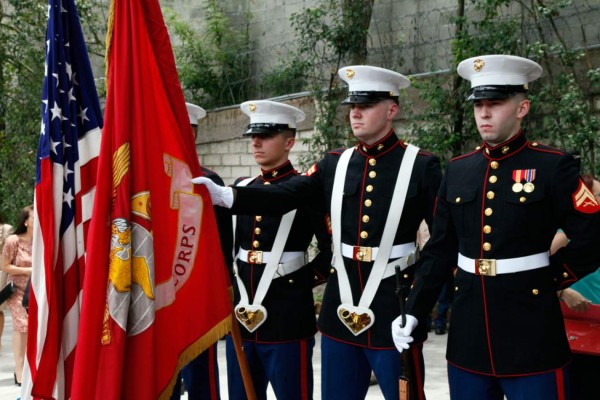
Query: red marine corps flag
155	290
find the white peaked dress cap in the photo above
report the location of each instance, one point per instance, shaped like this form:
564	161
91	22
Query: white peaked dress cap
196	113
367	84
268	117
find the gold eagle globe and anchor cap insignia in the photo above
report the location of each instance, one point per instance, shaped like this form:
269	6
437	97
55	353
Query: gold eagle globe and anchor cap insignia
250	316
478	64
356	319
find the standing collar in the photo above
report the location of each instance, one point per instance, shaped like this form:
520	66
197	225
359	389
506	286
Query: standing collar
380	147
505	149
278	172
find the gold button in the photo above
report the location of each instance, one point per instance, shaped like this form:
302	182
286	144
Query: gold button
457	200
487	246
565	274
372	162
493	179
316	278
487	229
257	231
405	276
332	270
291	281
369	188
494	164
365	218
364	234
456	288
256	244
372	174
488	212
368	202
490	195
478	148
534	144
258	218
505	149
267	183
522	199
535	292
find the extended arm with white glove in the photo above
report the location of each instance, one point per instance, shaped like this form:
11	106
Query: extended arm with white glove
220	195
402	335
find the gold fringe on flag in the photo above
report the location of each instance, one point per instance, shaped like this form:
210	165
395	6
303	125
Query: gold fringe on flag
197	348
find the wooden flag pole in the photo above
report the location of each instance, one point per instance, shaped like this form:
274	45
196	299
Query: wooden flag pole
241	357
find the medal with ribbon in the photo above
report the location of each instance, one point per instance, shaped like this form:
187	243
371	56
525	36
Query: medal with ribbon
528	187
517	176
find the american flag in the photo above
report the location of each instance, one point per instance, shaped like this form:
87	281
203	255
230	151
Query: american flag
64	192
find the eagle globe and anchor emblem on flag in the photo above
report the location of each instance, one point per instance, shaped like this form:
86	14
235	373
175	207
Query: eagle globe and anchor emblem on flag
131	269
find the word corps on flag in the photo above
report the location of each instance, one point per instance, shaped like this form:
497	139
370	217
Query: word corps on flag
156	286
65	181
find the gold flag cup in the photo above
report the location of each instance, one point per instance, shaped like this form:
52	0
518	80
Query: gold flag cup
356	319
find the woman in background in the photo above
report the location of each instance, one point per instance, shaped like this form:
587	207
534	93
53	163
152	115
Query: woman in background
16	261
5	230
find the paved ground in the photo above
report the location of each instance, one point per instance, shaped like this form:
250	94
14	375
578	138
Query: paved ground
436	382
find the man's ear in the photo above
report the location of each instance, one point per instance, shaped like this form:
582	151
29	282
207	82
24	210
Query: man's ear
393	110
523	108
289	142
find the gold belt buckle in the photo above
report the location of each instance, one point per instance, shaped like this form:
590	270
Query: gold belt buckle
255	257
360	253
486	267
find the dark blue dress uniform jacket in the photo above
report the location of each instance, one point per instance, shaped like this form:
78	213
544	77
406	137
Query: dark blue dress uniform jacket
376	166
289	300
508	324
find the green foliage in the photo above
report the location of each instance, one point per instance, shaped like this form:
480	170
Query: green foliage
22	46
327	35
214	65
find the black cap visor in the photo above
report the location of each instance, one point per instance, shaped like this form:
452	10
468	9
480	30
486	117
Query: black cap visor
267	129
367	97
495	92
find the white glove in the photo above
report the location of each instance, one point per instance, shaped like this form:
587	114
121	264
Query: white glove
401	335
220	195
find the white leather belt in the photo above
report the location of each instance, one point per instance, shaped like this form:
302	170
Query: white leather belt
367	254
493	267
403	262
290	261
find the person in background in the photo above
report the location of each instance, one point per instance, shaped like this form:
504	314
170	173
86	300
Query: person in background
363	188
273	277
579	297
498	209
5	230
16	262
201	375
